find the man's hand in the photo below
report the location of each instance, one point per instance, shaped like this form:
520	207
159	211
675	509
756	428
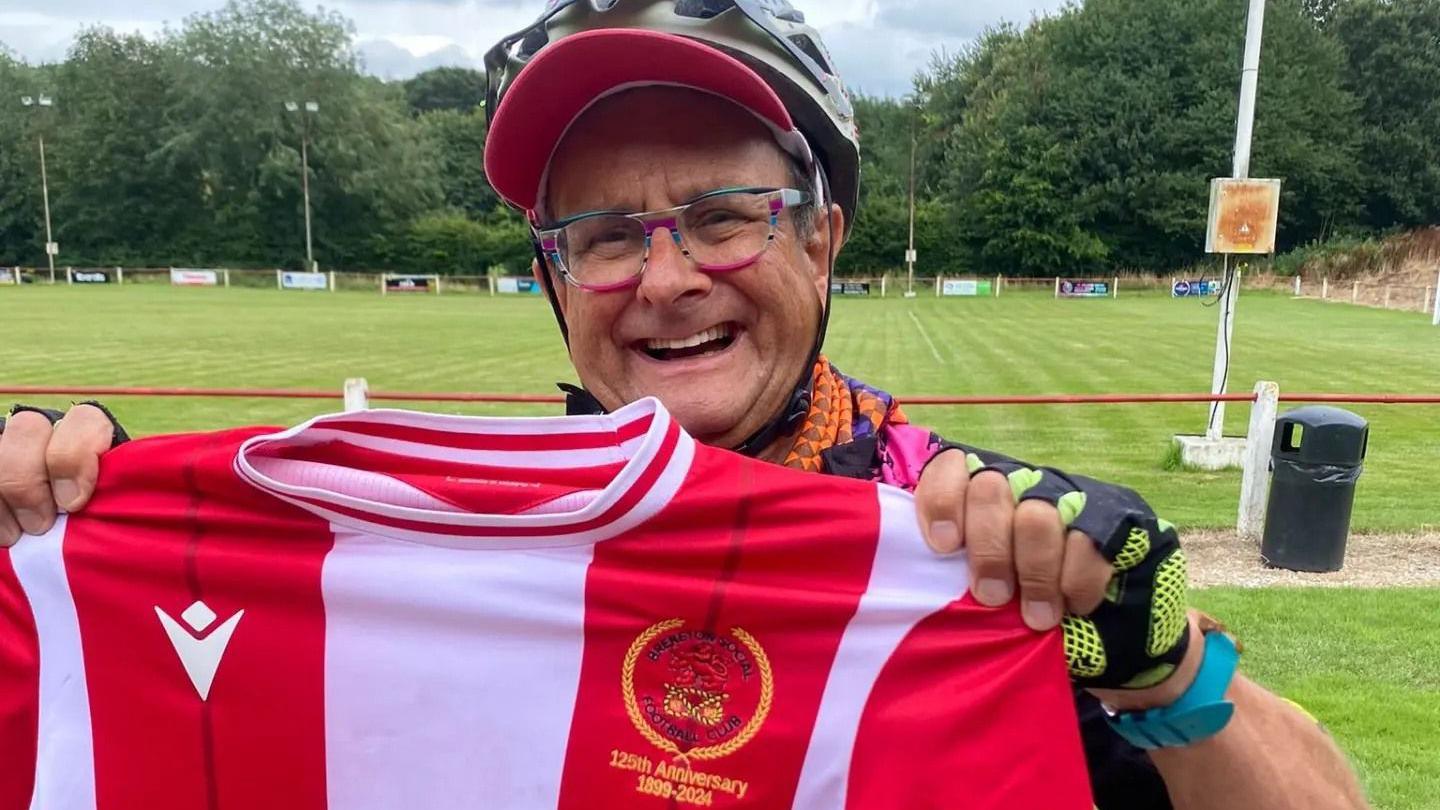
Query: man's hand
1058	570
1089	556
44	468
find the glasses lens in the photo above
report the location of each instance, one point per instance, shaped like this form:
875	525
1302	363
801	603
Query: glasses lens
726	229
603	249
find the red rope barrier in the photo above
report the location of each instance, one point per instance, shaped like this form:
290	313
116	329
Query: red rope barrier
550	399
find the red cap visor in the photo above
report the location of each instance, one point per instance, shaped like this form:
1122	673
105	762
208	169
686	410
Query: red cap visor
565	77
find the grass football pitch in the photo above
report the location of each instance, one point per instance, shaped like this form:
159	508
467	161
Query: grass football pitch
1366	662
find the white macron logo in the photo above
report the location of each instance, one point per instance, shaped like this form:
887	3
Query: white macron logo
199	654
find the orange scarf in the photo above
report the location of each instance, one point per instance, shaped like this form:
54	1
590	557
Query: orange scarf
835	407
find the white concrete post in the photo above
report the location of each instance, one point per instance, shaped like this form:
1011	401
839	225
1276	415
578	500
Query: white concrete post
1297	286
999	282
1355	293
70	276
1115	290
1425	306
1325	289
884	281
1387	297
1434	319
383	278
226	271
332	281
1057	286
119	275
279	279
1255	479
357	394
938	281
437	285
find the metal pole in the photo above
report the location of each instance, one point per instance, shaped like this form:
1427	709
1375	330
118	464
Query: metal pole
1249	82
1244	132
1214	429
910	252
305	186
45	194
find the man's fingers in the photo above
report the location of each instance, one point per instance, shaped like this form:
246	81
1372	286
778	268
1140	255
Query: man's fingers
24	482
1039	558
940	501
989	517
1085	575
73	457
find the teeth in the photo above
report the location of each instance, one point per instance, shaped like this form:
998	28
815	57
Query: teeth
713	333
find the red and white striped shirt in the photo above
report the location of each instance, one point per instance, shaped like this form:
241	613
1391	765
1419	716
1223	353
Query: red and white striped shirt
396	610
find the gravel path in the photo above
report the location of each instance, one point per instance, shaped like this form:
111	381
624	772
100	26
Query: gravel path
1371	560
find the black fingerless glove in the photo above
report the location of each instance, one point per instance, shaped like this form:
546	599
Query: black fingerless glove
1137	636
118	437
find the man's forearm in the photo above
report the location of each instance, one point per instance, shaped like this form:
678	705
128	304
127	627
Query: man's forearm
1270	756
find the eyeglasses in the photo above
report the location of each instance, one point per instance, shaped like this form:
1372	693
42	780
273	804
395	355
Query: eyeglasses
720	231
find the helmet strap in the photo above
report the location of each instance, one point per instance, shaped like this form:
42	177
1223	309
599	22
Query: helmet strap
549	283
798	406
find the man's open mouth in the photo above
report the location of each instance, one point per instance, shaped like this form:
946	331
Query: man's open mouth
715	339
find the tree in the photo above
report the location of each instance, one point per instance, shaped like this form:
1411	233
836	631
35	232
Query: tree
457	141
115	201
21	226
1392	54
449	242
446	88
369	173
1088	140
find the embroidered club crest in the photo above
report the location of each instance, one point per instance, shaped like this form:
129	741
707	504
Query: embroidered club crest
696	694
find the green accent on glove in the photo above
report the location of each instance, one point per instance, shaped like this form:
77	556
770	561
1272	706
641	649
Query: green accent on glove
1021	481
1084	650
1136	548
1150	677
1114	590
1165	525
1167	607
973	463
1071	504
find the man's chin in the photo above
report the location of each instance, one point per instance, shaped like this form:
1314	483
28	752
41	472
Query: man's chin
708	421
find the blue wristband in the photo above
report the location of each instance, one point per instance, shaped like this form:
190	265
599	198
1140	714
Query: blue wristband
1200	713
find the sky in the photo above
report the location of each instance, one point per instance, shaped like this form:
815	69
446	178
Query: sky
878	45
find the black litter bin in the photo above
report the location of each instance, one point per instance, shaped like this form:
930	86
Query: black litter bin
1315	460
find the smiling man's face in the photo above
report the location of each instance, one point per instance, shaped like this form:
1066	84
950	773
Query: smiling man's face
653	148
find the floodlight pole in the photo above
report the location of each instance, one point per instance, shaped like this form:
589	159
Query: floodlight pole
1244	131
38	103
305	187
45	195
305	110
910	251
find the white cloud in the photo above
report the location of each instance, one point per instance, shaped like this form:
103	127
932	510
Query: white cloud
388	60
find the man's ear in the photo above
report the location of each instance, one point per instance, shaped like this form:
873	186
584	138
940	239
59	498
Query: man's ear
824	246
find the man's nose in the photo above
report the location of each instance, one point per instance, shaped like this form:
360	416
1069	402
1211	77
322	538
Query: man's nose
670	276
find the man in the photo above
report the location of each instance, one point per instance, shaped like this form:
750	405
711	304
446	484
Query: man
690	170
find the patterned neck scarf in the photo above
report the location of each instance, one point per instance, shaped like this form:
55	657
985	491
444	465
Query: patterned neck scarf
842	410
